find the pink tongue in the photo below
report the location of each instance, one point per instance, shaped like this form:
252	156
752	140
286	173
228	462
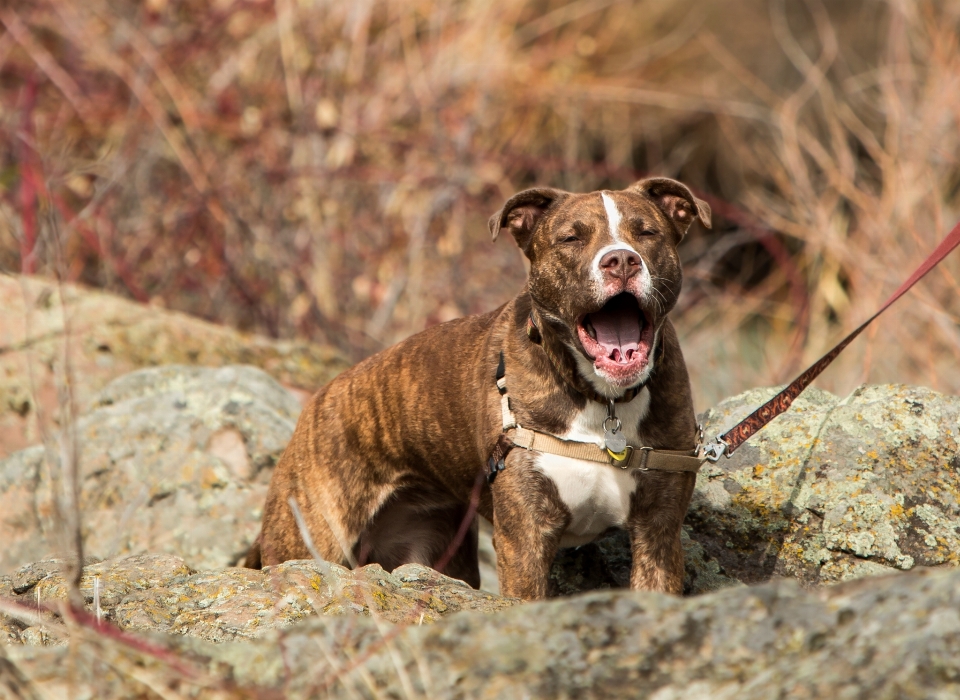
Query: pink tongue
618	331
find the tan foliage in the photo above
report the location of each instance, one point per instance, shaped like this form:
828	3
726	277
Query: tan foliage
321	169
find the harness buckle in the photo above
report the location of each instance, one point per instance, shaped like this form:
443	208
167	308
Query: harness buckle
715	450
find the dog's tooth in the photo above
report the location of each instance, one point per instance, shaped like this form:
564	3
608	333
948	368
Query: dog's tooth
591	331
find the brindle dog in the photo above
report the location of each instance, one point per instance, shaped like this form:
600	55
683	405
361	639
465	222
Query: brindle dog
385	457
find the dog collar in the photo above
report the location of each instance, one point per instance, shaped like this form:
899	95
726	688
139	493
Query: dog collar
631	458
566	367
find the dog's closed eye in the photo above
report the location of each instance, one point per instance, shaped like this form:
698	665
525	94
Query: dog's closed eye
639	227
576	235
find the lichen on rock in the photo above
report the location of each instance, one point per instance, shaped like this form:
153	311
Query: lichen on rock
835	489
154	477
160	593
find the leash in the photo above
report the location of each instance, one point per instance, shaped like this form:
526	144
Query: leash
728	442
648	458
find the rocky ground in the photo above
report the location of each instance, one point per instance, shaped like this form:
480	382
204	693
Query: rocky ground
888	637
819	558
43	325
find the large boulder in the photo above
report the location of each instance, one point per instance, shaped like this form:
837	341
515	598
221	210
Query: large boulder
104	336
172	460
832	490
177	460
889	637
160	593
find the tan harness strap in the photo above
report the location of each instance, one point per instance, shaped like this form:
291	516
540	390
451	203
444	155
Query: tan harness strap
639	458
669	460
542	442
509	420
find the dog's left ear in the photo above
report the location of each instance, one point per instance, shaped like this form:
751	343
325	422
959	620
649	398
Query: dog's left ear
676	200
522	212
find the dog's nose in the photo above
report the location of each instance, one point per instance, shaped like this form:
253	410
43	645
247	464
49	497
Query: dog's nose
621	263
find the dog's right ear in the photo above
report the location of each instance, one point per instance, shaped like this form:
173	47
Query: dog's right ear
523	211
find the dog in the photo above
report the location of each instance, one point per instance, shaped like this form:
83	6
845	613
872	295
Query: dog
390	461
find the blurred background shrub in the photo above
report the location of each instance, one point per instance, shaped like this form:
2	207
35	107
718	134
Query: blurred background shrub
324	169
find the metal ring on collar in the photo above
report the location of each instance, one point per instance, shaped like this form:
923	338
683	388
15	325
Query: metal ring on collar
616	422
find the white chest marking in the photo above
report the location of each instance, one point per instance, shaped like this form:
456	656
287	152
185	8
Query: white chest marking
597	495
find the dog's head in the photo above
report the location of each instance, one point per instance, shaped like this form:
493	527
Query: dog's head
604	269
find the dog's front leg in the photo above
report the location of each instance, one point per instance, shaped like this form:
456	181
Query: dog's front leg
659	507
528	520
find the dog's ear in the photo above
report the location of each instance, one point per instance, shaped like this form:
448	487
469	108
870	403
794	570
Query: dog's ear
522	212
676	200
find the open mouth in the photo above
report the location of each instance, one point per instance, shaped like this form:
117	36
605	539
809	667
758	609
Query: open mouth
617	338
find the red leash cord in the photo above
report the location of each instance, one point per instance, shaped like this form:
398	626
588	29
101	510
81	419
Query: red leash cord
745	429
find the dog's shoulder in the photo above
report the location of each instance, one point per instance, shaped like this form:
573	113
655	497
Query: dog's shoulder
471	329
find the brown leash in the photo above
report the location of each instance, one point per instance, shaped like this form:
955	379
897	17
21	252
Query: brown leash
745	429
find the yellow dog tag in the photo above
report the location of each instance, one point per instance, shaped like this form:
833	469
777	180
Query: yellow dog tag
618	456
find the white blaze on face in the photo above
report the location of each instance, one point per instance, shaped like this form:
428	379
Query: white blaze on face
613	225
613	217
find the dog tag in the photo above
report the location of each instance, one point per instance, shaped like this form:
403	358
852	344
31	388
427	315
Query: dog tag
615	441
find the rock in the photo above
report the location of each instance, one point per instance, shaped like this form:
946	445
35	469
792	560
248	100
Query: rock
599	565
160	593
9	630
832	490
605	564
106	336
177	460
172	460
888	637
29	575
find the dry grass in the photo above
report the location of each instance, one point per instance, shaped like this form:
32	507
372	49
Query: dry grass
324	169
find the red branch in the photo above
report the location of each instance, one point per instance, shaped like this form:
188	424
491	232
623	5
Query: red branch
30	181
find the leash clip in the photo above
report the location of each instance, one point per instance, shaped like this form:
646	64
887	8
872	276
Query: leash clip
715	450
